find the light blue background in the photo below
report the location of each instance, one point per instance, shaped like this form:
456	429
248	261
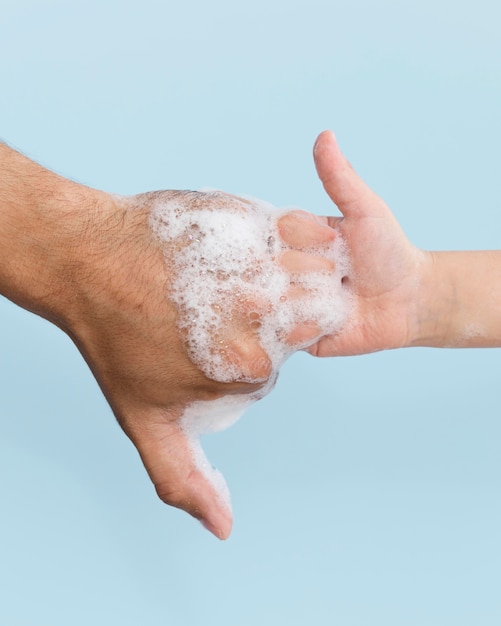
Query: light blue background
367	491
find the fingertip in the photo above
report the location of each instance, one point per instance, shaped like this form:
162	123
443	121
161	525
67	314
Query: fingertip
298	262
183	477
250	359
300	229
220	530
311	350
326	155
210	501
341	182
320	349
325	137
303	335
200	497
334	221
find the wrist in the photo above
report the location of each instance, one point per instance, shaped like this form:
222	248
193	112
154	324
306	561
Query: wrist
43	220
465	298
435	302
442	316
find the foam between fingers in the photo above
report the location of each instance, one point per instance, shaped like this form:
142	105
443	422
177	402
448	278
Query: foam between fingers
223	255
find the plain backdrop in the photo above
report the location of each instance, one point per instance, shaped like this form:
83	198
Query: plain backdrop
366	490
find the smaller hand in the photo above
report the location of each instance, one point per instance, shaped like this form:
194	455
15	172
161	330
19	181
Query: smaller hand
386	269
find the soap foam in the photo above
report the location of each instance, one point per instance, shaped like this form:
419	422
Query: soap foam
223	252
204	417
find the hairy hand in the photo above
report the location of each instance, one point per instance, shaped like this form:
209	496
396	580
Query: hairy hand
126	326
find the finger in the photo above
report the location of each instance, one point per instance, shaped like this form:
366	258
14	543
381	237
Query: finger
343	185
334	221
249	358
295	261
170	459
238	340
324	347
306	331
304	335
296	292
300	229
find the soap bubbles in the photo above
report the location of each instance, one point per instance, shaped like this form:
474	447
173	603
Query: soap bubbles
238	304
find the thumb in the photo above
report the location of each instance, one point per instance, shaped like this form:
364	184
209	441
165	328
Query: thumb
343	185
182	475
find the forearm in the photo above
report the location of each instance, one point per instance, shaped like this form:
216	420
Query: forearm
460	303
42	219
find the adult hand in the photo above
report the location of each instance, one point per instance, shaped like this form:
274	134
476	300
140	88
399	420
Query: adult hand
89	262
126	328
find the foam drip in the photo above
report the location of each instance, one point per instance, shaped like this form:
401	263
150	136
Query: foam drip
201	418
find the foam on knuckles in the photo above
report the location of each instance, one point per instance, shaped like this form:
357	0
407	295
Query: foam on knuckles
238	306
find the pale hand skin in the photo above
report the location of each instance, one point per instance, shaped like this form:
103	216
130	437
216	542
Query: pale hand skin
403	296
89	263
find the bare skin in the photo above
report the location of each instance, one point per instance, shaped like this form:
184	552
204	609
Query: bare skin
88	262
403	296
